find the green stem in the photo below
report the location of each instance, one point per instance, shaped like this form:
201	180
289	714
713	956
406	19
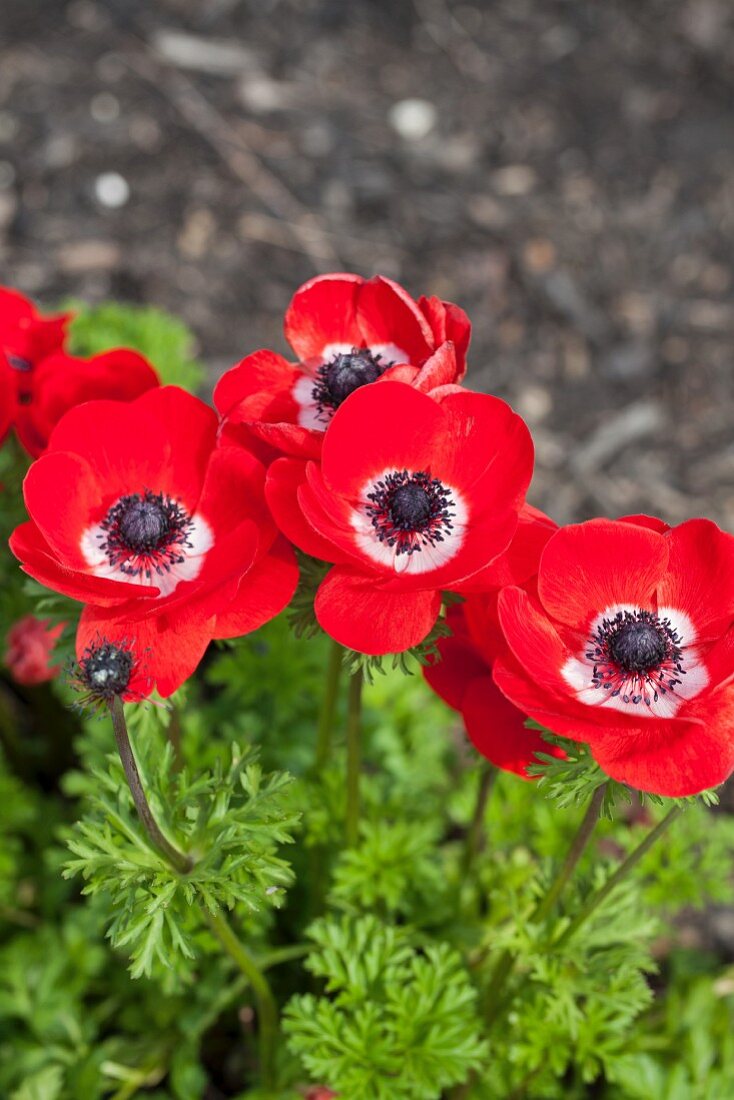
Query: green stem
506	961
328	707
622	871
354	757
178	859
266	1007
473	839
575	852
174	736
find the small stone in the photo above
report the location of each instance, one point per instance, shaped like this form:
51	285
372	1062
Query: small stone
8	208
413	119
534	403
80	257
514	179
112	190
7	175
216	56
9	126
261	95
487	212
104	107
539	255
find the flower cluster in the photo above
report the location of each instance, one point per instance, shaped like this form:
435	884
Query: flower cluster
40	380
175	526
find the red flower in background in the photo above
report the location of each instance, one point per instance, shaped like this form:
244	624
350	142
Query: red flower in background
629	646
25	339
30	643
61	381
135	512
412	496
347	332
7	403
462	675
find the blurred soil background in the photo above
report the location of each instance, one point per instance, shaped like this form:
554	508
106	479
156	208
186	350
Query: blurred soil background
563	170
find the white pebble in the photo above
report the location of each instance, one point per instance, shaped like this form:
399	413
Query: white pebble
112	190
413	119
104	107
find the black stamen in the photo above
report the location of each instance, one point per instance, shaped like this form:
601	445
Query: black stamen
636	655
146	533
410	511
346	372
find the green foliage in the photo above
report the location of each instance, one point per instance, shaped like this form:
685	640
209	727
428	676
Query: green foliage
394	870
164	340
696	1062
401	1023
232	822
574	778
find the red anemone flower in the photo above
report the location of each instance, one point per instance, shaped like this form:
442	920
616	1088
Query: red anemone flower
346	331
30	643
25	339
462	673
412	496
629	646
135	512
61	381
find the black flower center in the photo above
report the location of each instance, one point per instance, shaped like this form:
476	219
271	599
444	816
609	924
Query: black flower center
143	523
410	507
410	510
24	366
105	670
146	533
638	646
346	372
637	656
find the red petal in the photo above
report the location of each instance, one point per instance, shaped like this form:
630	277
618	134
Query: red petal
441	369
448	322
64	498
677	758
591	566
62	381
284	478
547	709
161	441
386	426
263	593
388	315
521	559
358	614
459	663
262	371
490	451
497	729
234	489
699	579
288	438
37	561
323	311
168	647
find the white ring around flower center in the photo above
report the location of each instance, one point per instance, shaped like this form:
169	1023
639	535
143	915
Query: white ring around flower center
578	671
430	556
199	536
309	414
